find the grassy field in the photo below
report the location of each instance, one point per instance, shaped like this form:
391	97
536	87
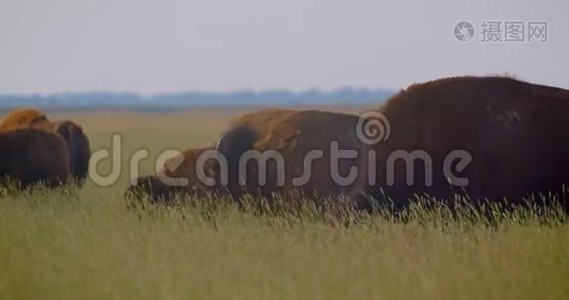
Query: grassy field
85	244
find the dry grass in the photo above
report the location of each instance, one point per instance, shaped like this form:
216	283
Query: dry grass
87	244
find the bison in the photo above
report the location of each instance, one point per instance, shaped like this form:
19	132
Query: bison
32	155
179	176
283	139
293	154
495	139
73	135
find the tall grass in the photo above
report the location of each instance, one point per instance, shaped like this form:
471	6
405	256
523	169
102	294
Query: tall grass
70	244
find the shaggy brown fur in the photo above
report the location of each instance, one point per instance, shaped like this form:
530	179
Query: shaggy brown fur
72	134
177	177
261	121
293	134
30	156
78	146
23	118
515	131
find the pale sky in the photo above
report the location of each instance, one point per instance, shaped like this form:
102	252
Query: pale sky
144	46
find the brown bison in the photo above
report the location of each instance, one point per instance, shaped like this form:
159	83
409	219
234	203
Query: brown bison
76	140
179	176
485	137
78	146
294	154
285	137
32	155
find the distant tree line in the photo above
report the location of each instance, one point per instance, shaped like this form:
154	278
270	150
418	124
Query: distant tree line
346	95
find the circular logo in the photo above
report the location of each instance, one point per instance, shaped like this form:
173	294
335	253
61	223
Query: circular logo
373	127
463	31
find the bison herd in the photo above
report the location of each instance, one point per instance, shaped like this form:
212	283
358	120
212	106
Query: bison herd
34	150
491	138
